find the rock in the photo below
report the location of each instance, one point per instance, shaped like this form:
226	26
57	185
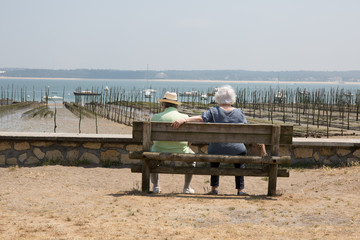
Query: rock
326	151
32	161
54	155
303	152
126	160
92	158
72	155
92	145
342	152
38	153
5	146
357	153
110	155
133	147
22	157
21	146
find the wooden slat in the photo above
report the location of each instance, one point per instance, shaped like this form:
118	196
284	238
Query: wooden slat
210	158
213	171
216	158
203	132
214	128
275	140
211	137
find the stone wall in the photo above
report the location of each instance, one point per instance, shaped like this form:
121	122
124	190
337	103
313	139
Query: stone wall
29	149
325	152
25	149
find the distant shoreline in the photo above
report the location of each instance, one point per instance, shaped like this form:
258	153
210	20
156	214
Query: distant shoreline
189	80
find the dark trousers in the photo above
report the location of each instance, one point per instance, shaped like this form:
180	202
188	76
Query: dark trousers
239	180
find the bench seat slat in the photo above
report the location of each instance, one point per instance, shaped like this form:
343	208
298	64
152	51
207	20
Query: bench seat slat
212	171
210	158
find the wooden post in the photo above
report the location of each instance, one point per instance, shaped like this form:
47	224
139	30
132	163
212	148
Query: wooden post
275	145
145	163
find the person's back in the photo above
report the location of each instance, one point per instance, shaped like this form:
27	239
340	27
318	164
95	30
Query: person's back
218	115
170	114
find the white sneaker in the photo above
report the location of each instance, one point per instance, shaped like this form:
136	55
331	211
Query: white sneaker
189	190
156	190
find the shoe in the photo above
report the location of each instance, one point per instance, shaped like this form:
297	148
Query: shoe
156	190
213	192
241	193
188	190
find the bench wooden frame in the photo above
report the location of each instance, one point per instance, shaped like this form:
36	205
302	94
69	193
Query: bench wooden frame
204	133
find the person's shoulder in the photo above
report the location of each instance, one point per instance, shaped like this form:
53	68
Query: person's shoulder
212	109
239	110
156	117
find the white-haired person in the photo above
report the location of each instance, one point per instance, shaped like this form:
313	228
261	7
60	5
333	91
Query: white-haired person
170	113
223	113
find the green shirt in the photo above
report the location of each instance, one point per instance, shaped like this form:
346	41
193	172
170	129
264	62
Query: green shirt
169	115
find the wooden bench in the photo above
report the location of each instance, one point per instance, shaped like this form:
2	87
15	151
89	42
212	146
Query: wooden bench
205	133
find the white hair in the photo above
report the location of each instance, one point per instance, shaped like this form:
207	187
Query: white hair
225	95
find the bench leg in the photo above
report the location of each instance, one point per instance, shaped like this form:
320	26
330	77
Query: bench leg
145	176
272	179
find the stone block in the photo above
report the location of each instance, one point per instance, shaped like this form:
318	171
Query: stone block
327	162
335	159
54	155
303	152
326	151
342	152
92	145
357	153
126	160
284	151
194	148
12	161
92	158
19	146
38	153
113	145
22	157
204	149
110	155
316	156
5	146
2	160
133	147
70	144
72	155
32	161
41	144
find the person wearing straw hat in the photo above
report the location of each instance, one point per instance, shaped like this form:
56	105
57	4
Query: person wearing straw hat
170	113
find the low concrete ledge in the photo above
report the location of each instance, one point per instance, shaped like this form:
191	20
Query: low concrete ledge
329	142
65	137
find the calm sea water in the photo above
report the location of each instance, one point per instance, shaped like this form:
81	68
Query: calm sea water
35	88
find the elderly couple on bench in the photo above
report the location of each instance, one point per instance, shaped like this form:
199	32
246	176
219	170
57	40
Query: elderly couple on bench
223	113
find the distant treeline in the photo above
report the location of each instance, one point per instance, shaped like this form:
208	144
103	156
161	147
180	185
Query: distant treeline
347	76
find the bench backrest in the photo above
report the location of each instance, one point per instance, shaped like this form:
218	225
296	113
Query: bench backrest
204	133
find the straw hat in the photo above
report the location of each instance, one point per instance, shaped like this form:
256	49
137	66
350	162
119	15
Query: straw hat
170	97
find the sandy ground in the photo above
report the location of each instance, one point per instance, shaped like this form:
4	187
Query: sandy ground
57	202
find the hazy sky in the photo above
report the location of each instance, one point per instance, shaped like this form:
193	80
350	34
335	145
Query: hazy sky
270	35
